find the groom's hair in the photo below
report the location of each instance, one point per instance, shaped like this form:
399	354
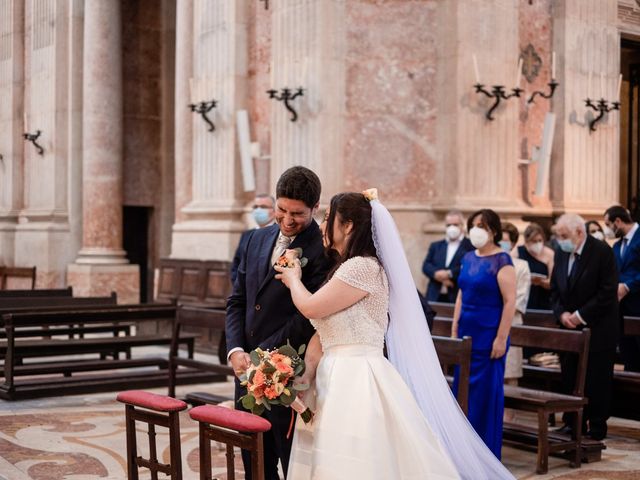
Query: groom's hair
299	183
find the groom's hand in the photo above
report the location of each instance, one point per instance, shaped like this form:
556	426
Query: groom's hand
240	361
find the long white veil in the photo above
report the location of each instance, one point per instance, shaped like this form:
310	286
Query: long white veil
412	353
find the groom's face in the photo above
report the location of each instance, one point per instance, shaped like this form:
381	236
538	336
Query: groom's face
293	216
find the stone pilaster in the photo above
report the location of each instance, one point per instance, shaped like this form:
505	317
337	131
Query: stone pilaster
101	265
585	165
210	222
478	158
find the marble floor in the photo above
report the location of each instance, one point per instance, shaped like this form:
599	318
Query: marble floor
83	438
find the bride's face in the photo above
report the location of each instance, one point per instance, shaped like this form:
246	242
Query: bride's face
339	234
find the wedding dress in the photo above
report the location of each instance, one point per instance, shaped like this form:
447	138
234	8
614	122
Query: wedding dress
368	424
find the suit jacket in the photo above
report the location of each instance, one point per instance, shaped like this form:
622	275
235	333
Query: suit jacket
592	291
260	312
436	259
629	274
242	245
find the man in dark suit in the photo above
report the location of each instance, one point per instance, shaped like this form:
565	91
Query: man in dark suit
618	223
442	265
260	312
584	294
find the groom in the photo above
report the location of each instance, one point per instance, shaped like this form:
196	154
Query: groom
260	312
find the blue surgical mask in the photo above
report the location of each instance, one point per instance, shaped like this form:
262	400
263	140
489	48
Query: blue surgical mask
260	215
505	245
566	245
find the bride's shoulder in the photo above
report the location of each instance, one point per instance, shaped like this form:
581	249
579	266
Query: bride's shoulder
360	264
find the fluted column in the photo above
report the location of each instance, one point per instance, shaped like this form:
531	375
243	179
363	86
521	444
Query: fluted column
585	169
101	263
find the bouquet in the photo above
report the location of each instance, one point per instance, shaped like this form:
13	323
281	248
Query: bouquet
269	381
287	258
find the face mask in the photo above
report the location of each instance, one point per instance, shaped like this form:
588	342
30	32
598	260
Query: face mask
598	234
536	248
453	232
505	245
260	215
566	245
608	233
479	237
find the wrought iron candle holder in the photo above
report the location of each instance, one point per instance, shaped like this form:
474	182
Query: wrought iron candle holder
497	93
203	108
286	96
32	137
552	88
602	106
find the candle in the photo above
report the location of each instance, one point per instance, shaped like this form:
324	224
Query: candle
619	87
519	72
475	68
601	85
553	66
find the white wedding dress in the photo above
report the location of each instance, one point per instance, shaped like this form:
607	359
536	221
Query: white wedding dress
367	424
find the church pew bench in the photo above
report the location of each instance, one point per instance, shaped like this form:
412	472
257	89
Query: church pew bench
8	276
38	292
16	386
442	309
454	352
202	318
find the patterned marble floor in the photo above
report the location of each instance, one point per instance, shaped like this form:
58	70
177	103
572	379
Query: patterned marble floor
83	438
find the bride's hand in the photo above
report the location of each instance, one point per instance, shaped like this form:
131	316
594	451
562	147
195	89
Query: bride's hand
307	378
289	275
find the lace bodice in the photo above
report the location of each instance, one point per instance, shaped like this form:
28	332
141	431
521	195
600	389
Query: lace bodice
365	322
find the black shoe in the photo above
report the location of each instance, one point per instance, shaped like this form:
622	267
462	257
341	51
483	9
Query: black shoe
596	435
565	430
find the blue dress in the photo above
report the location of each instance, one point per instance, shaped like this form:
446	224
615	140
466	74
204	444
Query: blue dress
480	318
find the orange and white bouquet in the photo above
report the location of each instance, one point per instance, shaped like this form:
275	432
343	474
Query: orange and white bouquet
287	259
270	381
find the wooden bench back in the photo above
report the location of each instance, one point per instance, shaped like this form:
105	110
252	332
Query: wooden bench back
8	303
9	273
456	352
204	283
632	326
442	309
442	326
38	292
540	318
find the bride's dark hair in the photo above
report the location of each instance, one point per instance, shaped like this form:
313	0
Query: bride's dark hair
355	208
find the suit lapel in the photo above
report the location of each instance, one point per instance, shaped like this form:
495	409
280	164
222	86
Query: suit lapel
582	263
456	255
632	243
562	271
264	259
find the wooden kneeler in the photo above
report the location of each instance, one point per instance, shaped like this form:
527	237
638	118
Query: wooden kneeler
154	410
235	428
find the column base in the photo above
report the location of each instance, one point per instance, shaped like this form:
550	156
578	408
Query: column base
101	256
102	279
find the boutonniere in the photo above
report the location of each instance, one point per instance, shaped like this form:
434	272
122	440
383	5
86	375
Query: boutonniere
288	257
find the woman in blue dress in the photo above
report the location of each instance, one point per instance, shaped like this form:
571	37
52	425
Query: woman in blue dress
484	309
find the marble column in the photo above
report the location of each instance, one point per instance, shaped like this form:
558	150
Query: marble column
478	158
11	103
101	265
210	223
585	165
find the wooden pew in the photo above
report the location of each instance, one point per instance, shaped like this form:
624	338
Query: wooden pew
456	352
38	292
442	309
203	319
9	273
18	388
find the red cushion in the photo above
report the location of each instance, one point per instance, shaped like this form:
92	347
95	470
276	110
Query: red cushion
228	418
152	401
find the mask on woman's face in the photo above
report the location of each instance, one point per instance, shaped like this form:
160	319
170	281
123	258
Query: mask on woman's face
608	233
479	237
260	215
598	234
535	247
506	245
566	245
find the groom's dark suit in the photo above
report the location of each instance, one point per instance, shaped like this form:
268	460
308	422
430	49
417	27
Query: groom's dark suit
260	313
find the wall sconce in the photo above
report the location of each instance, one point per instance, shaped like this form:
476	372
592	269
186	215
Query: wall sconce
552	88
498	93
601	107
32	137
286	96
203	108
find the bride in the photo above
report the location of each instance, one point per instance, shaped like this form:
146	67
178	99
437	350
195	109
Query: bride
372	420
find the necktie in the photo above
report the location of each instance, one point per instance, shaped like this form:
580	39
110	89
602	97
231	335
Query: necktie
281	245
574	267
623	247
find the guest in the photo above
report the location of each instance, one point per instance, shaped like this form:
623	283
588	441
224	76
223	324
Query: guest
627	253
263	214
540	260
484	309
442	265
513	369
595	230
584	285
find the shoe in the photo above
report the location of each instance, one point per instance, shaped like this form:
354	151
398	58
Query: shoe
596	435
565	430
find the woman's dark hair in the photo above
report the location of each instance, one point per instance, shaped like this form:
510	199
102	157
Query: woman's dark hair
299	183
512	231
593	222
351	207
491	220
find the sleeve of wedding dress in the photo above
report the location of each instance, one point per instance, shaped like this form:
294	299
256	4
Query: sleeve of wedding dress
359	272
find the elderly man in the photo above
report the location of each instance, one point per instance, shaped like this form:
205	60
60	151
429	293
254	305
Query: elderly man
442	265
584	287
618	223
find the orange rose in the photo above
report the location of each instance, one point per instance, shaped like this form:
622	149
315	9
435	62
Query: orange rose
258	378
283	368
270	392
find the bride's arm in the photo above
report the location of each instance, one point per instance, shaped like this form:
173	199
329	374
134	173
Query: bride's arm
312	357
334	296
